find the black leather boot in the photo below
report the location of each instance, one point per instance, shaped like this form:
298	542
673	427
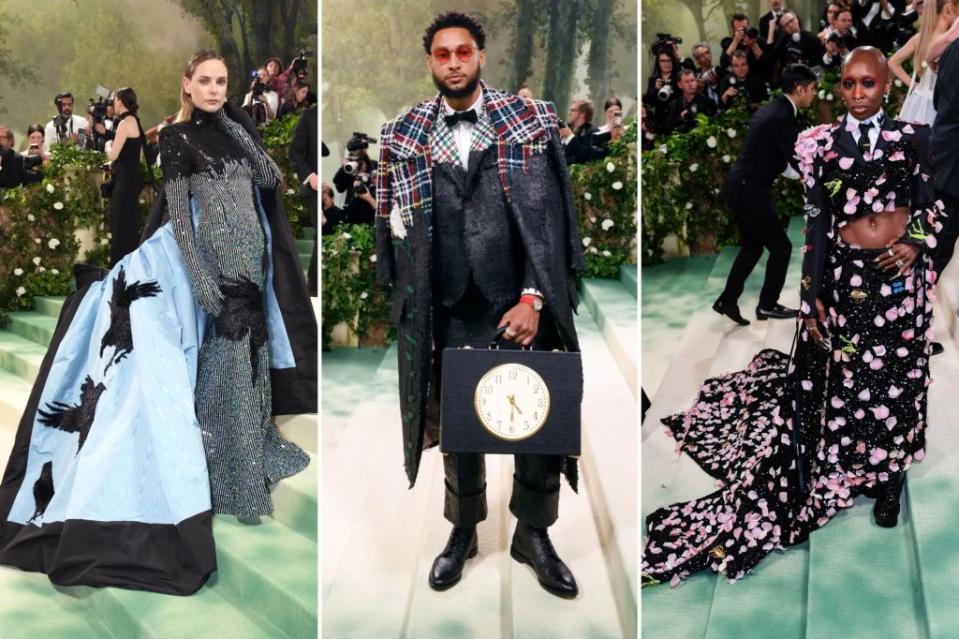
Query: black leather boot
532	546
886	510
448	565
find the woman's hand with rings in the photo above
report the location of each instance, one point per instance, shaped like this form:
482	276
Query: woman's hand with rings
898	256
812	323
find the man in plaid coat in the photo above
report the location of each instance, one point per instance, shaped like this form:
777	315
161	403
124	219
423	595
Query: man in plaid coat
476	231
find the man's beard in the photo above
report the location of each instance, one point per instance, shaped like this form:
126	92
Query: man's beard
446	91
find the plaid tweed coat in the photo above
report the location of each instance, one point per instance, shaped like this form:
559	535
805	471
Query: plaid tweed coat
537	188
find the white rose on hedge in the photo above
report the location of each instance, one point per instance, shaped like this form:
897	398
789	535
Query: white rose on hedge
689	205
607	224
18	271
53	243
731	132
50	188
364	295
21	291
593	249
587	196
104	240
347	236
711	142
36	261
42	269
587	240
610	167
58	206
829	96
662	149
592	220
37	240
726	159
607	254
31	217
617	185
55	271
372	258
693	167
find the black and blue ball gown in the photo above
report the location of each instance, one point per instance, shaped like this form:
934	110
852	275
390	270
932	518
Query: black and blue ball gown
151	411
793	441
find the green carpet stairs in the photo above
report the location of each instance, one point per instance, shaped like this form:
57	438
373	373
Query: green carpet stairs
265	585
380	538
852	578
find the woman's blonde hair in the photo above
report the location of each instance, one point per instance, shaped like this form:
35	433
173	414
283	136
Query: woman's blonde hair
198	58
927	32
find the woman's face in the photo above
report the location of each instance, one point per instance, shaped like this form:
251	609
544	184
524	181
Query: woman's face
207	87
117	105
864	81
300	94
36	137
272	68
262	74
665	65
611	113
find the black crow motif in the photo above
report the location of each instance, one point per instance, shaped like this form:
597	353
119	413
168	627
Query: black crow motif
120	335
243	314
43	490
74	419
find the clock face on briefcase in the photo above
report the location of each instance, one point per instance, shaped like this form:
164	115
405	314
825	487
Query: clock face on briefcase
511	401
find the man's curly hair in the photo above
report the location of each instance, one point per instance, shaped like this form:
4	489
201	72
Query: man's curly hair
453	19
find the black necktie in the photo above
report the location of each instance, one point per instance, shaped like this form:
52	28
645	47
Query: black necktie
864	145
458	116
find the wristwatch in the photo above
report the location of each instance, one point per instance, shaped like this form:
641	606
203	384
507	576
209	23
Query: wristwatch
533	300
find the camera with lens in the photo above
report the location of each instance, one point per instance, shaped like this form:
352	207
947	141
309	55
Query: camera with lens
839	40
664	43
299	62
97	109
752	33
31	162
359	141
666	92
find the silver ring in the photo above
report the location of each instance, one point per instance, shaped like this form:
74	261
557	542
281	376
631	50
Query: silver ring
891	254
899	263
510	332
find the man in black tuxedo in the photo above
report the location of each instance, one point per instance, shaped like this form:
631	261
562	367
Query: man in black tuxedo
577	135
689	104
302	155
749	41
767	152
841	40
944	147
742	86
769	27
876	21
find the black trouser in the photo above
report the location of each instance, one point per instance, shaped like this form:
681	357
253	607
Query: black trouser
309	195
759	228
946	239
535	500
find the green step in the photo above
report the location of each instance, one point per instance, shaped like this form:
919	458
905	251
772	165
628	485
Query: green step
272	573
294	501
304	245
628	275
49	305
20	356
614	311
305	261
341	394
31	608
31	325
14	394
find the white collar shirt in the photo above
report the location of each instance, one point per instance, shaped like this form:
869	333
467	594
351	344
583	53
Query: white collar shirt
75	124
463	131
873	132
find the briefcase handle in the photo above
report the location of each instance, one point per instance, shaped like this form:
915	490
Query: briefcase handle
494	343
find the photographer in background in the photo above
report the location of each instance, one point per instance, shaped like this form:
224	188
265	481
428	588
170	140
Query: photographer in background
841	40
65	126
33	145
742	86
332	214
577	134
261	102
796	46
746	39
355	178
708	75
689	104
16	169
769	28
297	99
603	135
661	86
103	121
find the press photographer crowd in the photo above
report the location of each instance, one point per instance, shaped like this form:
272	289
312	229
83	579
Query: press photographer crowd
583	142
751	58
110	124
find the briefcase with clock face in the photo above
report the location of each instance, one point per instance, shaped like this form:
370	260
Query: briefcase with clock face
511	401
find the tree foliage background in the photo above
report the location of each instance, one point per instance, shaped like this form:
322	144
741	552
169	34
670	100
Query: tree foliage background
374	64
48	47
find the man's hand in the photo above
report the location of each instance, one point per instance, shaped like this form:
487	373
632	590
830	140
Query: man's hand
730	93
659	83
522	322
314	181
100	128
832	48
565	133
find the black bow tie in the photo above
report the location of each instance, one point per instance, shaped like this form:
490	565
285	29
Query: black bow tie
460	116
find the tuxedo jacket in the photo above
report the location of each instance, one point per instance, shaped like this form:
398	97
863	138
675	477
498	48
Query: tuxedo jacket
945	129
528	160
767	150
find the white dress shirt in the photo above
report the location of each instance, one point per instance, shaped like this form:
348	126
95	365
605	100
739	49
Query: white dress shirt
463	131
790	173
873	132
75	124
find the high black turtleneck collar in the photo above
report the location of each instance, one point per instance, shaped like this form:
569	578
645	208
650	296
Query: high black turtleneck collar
204	118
